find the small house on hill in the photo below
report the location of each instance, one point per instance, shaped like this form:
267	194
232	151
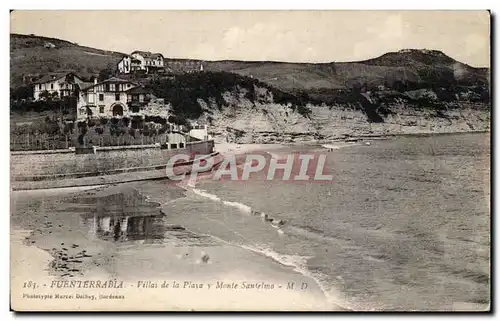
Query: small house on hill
141	61
60	83
129	64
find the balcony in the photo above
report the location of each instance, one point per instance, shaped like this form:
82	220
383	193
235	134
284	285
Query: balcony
136	103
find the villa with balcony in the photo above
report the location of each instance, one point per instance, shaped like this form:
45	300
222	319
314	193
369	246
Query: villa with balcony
144	61
59	84
113	97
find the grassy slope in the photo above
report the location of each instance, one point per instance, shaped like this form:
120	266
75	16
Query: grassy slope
413	66
29	56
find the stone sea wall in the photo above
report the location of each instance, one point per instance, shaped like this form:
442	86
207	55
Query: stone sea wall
67	163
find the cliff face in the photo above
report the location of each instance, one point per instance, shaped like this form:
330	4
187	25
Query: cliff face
245	122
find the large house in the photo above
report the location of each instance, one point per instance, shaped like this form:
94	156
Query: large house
141	61
129	64
112	97
61	84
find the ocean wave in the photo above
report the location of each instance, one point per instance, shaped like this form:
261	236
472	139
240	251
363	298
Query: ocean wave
276	223
203	193
297	262
240	206
299	265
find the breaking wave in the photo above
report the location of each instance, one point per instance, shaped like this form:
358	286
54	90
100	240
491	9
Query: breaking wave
297	262
206	195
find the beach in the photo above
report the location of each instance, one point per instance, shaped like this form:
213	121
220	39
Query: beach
393	220
51	241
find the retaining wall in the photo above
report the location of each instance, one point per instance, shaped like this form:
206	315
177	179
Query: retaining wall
104	159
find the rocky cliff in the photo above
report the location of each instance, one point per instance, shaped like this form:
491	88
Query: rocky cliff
243	121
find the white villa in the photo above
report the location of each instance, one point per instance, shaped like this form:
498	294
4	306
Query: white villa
112	97
141	61
60	84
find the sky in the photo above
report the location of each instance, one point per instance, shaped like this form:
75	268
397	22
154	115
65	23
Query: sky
294	36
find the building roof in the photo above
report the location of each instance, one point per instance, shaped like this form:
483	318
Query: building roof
85	85
115	79
131	58
148	55
112	79
53	76
139	90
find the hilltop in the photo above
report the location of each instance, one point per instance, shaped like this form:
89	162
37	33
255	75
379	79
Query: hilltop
416	68
29	56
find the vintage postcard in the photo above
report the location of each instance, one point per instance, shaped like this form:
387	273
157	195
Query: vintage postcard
250	160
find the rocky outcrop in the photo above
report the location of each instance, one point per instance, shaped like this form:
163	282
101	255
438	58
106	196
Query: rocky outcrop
242	121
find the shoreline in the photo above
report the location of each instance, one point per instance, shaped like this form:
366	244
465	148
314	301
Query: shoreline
220	254
222	149
270	254
244	208
228	263
387	136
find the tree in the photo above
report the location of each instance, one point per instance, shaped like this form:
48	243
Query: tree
45	95
125	121
105	74
23	92
67	130
89	113
103	121
99	132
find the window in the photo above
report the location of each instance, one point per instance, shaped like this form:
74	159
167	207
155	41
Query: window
101	109
181	145
51	86
135	109
101	97
40	86
107	87
117	96
173	146
112	87
141	98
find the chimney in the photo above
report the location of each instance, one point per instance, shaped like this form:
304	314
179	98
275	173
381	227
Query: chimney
95	80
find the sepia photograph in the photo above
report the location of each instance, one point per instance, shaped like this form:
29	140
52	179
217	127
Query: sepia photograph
250	160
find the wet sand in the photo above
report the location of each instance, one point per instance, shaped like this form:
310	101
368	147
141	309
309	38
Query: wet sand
117	233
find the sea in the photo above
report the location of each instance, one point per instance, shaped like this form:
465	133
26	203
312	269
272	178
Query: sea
404	225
